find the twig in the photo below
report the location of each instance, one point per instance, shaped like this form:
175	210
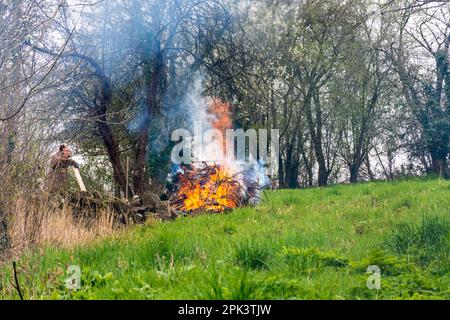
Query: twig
17	287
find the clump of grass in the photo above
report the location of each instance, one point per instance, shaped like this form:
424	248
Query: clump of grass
291	200
307	259
403	204
252	255
215	287
361	227
426	241
229	228
334	192
168	248
429	234
243	288
239	286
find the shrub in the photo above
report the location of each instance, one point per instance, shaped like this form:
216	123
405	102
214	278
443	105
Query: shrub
389	264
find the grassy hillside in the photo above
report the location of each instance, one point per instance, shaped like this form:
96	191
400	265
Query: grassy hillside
298	244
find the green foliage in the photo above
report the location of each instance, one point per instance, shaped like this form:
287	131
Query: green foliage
310	259
389	264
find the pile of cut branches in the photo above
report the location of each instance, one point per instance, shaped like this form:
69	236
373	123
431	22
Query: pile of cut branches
210	187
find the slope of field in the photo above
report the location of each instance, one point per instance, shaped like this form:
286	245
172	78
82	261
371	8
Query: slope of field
298	244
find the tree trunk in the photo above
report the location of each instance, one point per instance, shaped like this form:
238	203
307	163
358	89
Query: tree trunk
142	140
308	164
369	169
108	138
309	172
139	167
323	170
292	172
281	170
323	174
293	177
354	170
315	130
439	166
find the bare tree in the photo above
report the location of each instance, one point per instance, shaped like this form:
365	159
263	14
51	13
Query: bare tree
425	82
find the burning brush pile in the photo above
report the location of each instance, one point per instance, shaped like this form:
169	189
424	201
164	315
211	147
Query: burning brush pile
213	188
220	185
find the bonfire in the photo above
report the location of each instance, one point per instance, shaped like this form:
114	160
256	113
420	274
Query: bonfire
216	186
212	188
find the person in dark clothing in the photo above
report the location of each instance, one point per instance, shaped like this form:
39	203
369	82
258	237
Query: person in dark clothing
57	178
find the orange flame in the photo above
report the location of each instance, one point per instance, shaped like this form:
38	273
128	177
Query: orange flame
214	191
221	116
221	110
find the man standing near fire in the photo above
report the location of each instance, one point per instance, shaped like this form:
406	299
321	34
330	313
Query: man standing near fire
57	178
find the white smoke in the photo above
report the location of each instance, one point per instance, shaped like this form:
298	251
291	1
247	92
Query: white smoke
199	121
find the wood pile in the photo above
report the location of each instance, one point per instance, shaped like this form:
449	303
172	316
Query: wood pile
210	188
88	205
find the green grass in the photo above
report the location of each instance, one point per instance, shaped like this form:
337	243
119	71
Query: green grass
298	244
